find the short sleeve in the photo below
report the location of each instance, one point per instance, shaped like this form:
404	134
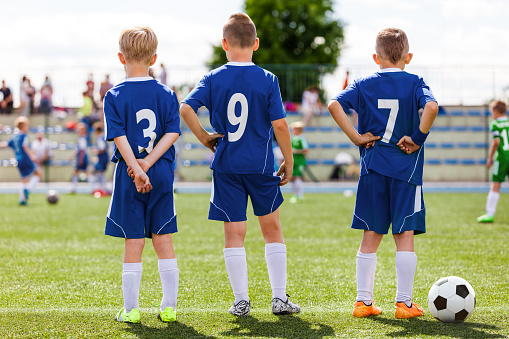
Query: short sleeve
26	142
113	124
349	97
423	93
200	95
173	123
276	108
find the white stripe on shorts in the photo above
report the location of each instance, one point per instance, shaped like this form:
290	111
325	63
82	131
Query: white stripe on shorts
417	201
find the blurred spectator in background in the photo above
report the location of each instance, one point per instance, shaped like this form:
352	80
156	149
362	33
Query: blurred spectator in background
311	104
105	87
31	95
41	149
24	98
6	102
151	73
344	167
351	112
46	105
163	75
90	86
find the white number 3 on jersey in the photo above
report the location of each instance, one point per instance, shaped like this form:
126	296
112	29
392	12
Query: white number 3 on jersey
149	131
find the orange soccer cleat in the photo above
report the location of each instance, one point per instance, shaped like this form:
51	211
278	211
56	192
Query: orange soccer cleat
360	309
405	312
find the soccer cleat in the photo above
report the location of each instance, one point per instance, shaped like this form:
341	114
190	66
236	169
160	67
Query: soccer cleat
168	315
133	317
280	307
405	312
361	310
23	203
485	218
26	193
243	307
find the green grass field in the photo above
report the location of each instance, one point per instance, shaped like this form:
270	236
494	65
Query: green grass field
60	277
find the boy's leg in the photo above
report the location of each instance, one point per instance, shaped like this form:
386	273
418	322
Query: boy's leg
492	200
168	271
34	180
275	257
132	270
406	262
366	266
235	259
74	181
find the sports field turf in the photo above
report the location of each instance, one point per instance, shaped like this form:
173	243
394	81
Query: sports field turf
60	277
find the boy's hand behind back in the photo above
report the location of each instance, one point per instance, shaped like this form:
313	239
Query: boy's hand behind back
211	141
142	182
143	164
407	145
367	140
286	171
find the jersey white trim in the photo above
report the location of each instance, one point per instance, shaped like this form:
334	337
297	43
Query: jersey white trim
147	78
236	63
388	70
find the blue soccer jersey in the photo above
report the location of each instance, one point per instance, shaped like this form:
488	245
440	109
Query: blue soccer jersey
25	165
243	99
102	153
144	110
388	104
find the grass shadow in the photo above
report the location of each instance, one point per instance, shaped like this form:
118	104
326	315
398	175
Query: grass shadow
287	326
415	327
173	330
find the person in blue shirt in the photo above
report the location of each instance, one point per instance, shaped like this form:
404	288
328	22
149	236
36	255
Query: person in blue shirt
80	156
390	136
141	117
101	150
245	107
30	172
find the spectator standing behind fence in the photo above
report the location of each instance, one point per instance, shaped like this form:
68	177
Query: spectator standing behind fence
163	76
41	150
6	102
105	87
310	104
46	105
24	97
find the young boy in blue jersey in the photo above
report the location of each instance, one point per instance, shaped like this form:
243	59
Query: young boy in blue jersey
245	108
141	117
29	171
390	137
80	156
101	150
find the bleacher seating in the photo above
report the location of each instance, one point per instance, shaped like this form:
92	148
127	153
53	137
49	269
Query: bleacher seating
456	149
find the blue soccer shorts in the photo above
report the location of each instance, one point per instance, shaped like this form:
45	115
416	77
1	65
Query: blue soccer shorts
382	201
26	167
102	163
81	166
136	215
228	201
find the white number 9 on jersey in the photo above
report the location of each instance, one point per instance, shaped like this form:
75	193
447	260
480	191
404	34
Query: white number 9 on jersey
235	120
149	131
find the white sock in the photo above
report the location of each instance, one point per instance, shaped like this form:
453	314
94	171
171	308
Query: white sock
22	193
275	256
131	279
74	181
366	267
491	203
297	188
32	182
169	273
406	263
236	266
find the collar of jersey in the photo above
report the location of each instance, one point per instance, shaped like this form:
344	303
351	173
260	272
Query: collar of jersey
394	69
502	118
235	63
138	79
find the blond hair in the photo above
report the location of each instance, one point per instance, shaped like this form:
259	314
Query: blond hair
240	30
392	44
21	121
138	44
499	106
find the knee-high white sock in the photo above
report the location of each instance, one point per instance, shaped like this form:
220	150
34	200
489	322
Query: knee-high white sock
298	190
491	203
22	196
406	262
131	279
236	266
32	182
74	181
169	273
366	267
275	256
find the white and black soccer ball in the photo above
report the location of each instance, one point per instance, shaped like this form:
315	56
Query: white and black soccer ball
52	196
451	299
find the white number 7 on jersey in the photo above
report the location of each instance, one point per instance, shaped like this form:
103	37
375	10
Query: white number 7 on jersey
393	105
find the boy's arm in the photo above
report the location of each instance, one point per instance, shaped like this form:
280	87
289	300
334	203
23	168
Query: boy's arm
209	140
141	179
406	143
339	115
3	144
284	141
162	146
29	152
493	149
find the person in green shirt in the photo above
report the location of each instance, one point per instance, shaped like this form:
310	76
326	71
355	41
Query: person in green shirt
499	128
300	148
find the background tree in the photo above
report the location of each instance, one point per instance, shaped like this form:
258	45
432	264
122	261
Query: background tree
300	41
